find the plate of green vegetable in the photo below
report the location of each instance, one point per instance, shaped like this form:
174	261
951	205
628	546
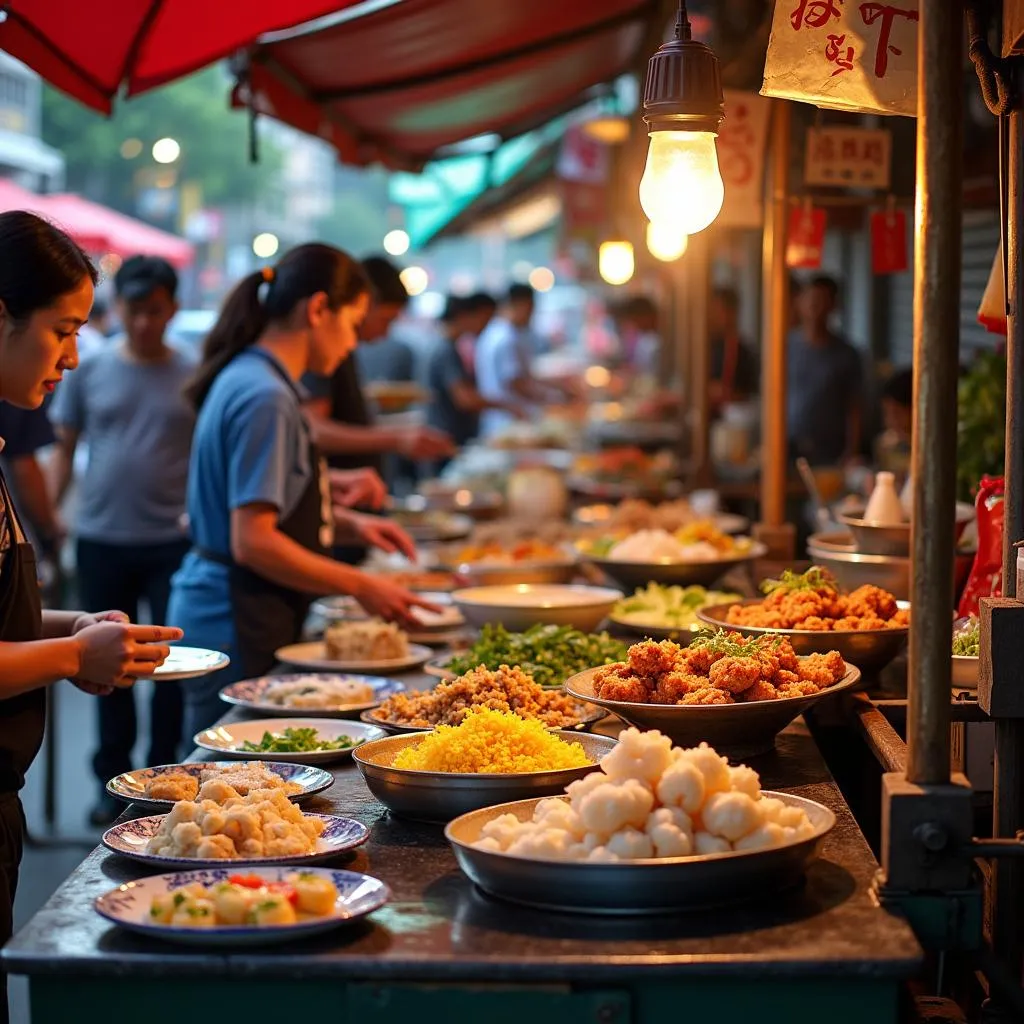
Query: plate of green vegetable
664	612
966	652
548	653
294	740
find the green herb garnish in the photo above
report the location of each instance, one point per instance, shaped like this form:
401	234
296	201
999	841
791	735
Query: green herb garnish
550	654
297	741
816	578
732	645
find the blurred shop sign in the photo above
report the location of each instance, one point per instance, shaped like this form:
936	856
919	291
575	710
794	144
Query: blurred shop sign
854	157
582	158
741	147
805	239
844	55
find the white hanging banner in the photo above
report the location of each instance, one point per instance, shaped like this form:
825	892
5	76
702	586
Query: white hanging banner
844	55
852	157
741	148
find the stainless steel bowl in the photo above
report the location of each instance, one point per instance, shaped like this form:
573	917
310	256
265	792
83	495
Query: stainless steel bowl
851	569
441	796
521	572
632	575
660	886
874	539
737	730
431	525
519	607
480	505
965	672
869	649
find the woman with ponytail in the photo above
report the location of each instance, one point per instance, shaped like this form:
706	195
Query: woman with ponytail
259	500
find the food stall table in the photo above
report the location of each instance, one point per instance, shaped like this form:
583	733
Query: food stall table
441	949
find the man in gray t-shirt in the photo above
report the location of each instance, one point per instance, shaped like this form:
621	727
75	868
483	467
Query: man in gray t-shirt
824	396
126	403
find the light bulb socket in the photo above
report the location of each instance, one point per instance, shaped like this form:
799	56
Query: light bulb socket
683	90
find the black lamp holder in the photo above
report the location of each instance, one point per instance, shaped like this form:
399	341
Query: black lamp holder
683	91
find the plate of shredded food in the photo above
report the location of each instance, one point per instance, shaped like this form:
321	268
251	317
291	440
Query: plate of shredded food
159	788
489	757
291	740
505	689
966	652
311	695
262	827
868	626
190	663
548	653
358	646
661	612
655	829
733	691
258	907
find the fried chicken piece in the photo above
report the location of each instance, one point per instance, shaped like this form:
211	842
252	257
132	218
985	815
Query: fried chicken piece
673	686
708	695
761	690
785	676
769	663
804	688
814	622
697	661
788	661
649	658
822	669
901	620
631	689
735	674
871	602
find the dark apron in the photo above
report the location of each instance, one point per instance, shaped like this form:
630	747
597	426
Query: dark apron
268	616
22	718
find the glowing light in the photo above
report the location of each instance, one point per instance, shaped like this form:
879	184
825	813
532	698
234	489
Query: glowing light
415	280
396	243
666	242
265	245
542	279
610	129
615	261
597	376
682	185
131	148
166	151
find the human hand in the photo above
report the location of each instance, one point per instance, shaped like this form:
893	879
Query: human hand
92	689
352	488
425	443
117	653
87	619
378	532
390	601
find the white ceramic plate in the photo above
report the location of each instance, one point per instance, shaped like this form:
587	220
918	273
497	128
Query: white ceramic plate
131	837
339	607
227	739
131	786
314	655
128	905
190	662
251	695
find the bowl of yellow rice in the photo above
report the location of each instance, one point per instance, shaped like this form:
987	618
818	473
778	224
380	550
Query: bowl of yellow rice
489	758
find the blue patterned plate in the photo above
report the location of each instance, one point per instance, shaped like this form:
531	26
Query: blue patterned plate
252	694
128	907
131	786
131	837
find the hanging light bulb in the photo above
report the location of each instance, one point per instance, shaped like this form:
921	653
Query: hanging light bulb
683	107
666	241
615	261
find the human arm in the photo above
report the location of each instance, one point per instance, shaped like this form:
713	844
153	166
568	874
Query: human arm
375	532
352	488
334	438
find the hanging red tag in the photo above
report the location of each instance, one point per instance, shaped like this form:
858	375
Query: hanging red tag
889	242
806	237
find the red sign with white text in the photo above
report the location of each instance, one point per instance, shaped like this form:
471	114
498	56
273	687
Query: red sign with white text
889	242
806	238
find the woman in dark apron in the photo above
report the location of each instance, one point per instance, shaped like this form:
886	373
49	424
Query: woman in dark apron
46	292
259	503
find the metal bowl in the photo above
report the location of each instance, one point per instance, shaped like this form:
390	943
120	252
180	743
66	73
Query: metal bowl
433	525
479	505
869	649
837	552
874	539
441	796
965	672
632	575
648	488
483	575
590	715
667	885
526	604
737	730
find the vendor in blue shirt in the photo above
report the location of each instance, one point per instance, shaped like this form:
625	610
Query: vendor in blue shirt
262	511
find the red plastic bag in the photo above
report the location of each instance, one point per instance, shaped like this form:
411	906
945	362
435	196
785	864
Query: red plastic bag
986	578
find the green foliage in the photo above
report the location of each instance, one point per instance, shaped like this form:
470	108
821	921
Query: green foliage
194	111
981	433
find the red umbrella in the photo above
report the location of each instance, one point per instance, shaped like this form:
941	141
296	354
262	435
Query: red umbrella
89	50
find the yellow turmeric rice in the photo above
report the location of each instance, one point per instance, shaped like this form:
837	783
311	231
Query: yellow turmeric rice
492	742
